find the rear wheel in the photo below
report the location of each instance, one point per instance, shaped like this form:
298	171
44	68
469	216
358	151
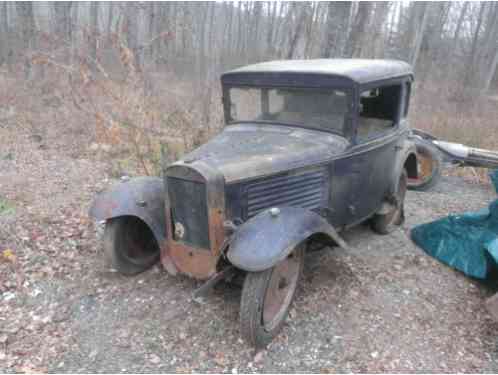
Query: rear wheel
129	245
267	297
386	222
429	165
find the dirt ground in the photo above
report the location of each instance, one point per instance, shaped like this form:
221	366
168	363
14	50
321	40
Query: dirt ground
384	306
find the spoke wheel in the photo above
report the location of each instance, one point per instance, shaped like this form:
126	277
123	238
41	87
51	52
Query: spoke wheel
267	297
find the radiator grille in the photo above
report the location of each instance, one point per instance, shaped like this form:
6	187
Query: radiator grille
189	209
305	189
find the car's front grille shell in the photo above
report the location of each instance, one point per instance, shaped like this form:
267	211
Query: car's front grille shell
305	189
189	209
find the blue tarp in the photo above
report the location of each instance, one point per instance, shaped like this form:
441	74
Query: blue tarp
466	242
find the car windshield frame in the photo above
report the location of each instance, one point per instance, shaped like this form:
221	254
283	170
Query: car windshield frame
348	116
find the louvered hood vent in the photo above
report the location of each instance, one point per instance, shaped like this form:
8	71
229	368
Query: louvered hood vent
305	189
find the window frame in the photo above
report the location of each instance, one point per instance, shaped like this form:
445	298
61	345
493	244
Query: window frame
379	85
348	90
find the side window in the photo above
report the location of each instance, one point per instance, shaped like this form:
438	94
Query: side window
276	102
378	112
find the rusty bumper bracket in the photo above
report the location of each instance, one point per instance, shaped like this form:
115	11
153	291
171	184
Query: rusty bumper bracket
201	292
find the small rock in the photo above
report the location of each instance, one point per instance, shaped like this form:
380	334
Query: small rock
105	147
7	296
153	358
374	354
93	354
258	357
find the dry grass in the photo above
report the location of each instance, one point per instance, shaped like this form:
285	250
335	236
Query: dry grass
132	118
128	117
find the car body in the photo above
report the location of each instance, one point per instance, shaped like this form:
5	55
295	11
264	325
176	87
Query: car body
310	147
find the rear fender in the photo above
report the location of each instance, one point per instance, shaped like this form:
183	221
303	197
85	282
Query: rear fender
268	238
142	197
406	159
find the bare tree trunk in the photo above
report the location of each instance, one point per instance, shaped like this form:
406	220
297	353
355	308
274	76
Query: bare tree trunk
255	24
489	54
469	70
110	18
330	38
27	23
303	13
152	14
459	24
227	45
63	25
437	15
269	33
374	47
93	35
131	30
73	21
5	49
239	29
282	21
310	29
491	72
397	8
419	33
211	63
361	22
202	43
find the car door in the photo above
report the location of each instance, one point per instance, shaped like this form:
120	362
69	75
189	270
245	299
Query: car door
362	176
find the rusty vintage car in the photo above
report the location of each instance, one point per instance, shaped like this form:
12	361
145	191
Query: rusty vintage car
309	148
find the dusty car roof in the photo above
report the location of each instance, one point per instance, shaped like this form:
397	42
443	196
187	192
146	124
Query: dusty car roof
358	70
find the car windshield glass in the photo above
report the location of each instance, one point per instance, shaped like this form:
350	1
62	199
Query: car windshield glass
322	109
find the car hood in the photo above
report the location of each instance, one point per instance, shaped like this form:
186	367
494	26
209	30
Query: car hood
246	151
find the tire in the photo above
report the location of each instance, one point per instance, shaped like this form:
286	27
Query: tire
429	165
386	223
260	321
129	245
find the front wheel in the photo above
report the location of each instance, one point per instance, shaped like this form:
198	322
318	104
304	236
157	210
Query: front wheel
267	297
129	245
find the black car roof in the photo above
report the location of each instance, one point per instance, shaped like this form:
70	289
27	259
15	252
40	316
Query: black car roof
360	71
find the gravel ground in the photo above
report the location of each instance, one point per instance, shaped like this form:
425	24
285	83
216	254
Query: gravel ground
383	306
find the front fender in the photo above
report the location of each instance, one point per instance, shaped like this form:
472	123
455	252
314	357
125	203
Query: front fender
142	197
265	239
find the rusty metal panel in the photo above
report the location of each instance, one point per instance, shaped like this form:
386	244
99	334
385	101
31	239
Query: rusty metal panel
191	259
142	197
189	211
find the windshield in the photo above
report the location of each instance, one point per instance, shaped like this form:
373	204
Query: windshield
322	109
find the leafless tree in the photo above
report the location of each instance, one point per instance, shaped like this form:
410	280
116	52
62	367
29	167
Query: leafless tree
448	41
